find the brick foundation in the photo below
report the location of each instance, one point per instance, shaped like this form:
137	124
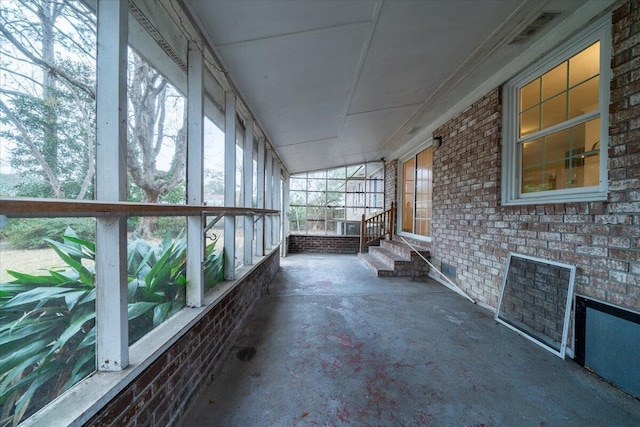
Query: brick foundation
159	395
474	233
325	244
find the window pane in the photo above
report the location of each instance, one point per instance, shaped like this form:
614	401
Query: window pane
584	65
42	298
335	199
156	270
530	95
532	179
336	173
584	98
297	183
48	136
532	153
554	111
157	146
317	184
408	191
530	121
554	81
317	175
213	164
239	234
557	145
298	198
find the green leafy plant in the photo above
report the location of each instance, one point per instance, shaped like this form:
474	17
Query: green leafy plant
47	321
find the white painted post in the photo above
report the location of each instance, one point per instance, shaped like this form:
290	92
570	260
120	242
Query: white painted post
268	197
261	190
195	179
112	338
247	182
229	184
277	185
284	215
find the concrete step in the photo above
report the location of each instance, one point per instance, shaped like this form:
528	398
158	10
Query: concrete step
375	264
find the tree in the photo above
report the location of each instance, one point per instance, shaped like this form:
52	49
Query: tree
157	120
47	108
47	95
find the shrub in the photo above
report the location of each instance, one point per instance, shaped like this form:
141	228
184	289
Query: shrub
34	233
47	321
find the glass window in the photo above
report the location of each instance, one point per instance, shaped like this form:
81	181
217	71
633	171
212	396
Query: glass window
47	135
556	153
330	202
417	184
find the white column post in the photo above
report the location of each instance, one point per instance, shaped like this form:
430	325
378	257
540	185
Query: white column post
229	184
195	179
247	181
277	181
261	190
284	217
112	338
268	197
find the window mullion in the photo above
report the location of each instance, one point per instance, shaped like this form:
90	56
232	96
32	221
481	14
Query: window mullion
195	178
112	339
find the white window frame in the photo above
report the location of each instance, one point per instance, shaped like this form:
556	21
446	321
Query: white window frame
511	164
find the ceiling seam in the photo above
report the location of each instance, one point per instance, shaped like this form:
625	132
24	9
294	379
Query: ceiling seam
295	33
358	73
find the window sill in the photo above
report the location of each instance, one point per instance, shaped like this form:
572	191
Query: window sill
546	200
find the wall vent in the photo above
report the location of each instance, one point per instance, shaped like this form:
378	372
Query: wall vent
135	11
534	27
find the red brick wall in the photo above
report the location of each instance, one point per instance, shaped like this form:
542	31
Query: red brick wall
474	233
160	394
324	244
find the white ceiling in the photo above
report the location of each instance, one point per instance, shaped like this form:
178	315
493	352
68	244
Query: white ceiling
341	82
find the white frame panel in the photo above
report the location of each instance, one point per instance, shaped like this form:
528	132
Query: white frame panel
567	313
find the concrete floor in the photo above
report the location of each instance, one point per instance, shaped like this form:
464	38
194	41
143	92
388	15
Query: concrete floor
337	346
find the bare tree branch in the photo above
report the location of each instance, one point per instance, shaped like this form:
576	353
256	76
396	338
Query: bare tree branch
51	67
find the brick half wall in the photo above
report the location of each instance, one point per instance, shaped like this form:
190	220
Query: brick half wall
323	244
159	395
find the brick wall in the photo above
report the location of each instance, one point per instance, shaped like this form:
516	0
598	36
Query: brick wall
324	244
390	183
159	395
474	233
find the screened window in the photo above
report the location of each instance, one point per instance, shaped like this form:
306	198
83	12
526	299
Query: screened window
332	202
556	125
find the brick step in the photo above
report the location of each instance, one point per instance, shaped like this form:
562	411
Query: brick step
390	258
400	268
375	264
405	250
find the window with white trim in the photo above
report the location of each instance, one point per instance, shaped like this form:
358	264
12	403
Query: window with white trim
555	127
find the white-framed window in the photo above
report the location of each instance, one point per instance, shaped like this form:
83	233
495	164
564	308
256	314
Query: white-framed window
555	124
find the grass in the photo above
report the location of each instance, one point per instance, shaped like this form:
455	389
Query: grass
28	261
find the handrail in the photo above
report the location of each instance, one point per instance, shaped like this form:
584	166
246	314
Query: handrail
377	227
47	208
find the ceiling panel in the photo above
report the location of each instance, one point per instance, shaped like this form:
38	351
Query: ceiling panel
309	156
298	85
367	132
417	45
338	82
234	21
